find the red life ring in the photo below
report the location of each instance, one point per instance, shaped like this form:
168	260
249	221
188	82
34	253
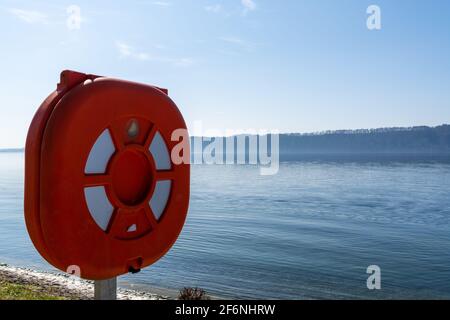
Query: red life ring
101	191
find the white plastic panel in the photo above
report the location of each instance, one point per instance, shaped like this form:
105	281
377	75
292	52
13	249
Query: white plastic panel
101	152
160	197
160	153
99	206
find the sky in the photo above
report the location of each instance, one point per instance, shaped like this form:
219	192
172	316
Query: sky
285	65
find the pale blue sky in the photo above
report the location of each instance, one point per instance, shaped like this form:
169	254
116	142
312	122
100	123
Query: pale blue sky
294	66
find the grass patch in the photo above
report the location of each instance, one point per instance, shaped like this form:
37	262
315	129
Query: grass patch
12	291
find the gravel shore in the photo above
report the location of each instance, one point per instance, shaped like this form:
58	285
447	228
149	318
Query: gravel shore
66	286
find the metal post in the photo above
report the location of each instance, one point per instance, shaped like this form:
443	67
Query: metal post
105	289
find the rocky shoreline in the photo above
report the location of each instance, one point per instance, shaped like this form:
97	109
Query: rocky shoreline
66	286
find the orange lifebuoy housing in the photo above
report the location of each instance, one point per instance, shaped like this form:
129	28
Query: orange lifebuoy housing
101	190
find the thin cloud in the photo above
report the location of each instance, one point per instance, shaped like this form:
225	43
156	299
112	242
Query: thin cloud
181	62
249	5
162	3
127	51
238	43
29	16
234	40
215	8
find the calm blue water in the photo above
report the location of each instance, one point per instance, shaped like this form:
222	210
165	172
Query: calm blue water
309	232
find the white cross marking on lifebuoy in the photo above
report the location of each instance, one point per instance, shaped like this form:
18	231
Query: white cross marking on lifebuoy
100	155
99	206
160	153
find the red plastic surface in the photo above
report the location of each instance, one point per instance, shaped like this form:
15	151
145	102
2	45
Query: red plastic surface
59	141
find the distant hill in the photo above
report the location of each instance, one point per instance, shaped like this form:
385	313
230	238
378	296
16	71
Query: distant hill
384	141
11	150
413	140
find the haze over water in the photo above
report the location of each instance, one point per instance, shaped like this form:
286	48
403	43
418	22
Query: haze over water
308	232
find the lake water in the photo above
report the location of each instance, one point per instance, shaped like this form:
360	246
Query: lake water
309	232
